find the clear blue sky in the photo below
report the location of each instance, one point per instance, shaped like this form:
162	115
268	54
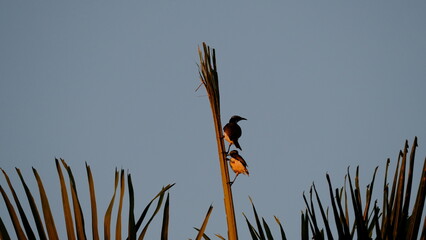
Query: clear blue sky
324	85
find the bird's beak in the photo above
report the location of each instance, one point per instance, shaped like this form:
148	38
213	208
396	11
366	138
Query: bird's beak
243	118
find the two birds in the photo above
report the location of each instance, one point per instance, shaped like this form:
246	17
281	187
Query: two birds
232	132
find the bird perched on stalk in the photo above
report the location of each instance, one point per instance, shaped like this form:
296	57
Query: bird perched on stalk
232	131
238	164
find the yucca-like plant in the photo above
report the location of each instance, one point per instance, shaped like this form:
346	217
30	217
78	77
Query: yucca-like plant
392	221
262	231
45	227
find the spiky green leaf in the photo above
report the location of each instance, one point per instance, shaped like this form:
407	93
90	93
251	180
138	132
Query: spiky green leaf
204	225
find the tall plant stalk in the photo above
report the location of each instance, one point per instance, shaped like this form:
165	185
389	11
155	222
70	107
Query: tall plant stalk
209	78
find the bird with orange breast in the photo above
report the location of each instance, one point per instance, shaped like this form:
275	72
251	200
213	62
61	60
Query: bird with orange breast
238	164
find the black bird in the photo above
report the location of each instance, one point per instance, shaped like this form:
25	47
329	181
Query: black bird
238	164
231	131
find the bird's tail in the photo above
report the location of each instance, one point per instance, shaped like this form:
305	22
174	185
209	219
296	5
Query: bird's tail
237	145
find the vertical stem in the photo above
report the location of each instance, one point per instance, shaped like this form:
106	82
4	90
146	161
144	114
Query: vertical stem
209	78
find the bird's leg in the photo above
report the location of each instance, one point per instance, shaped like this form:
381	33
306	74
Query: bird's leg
230	183
229	147
226	153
